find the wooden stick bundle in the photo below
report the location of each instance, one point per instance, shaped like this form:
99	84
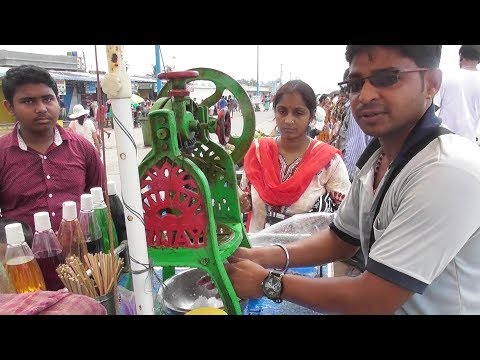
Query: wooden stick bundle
105	270
74	276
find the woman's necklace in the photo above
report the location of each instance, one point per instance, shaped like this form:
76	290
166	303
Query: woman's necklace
290	157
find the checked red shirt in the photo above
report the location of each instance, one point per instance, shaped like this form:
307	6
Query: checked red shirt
31	182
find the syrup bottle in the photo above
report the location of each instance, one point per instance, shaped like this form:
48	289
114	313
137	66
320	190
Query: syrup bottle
70	234
47	251
21	266
89	225
101	212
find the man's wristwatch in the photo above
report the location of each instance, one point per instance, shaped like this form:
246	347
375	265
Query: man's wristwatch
272	286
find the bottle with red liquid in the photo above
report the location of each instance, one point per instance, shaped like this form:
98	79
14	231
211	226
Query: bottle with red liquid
21	266
70	234
47	251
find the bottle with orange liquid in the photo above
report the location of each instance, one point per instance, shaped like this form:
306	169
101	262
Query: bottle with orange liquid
21	266
70	234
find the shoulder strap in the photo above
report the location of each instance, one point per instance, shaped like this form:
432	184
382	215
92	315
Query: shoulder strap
368	152
400	164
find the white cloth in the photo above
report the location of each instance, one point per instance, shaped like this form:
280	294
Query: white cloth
459	101
86	130
57	139
427	231
320	118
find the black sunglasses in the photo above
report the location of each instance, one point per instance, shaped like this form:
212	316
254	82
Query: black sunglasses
380	79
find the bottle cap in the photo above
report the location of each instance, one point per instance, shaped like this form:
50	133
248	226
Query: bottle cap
69	210
97	194
14	233
111	187
86	202
42	221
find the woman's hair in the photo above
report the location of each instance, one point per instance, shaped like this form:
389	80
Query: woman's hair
81	119
298	86
423	55
322	98
26	74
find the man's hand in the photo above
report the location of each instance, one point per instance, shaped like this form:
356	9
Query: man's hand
246	277
244	273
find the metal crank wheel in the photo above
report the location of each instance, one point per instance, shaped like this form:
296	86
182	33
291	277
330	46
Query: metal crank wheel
224	82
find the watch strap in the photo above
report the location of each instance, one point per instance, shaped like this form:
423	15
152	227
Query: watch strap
279	275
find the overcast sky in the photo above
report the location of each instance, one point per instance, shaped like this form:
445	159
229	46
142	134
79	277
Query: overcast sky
321	66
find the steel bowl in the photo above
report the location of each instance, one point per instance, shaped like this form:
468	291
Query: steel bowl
181	291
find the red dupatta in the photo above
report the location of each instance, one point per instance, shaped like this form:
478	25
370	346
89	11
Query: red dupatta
262	169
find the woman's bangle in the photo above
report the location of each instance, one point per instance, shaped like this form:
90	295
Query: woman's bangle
285	268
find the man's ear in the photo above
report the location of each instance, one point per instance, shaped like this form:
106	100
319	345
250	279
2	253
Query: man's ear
434	80
9	107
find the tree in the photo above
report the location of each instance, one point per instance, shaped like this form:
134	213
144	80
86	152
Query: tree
251	82
154	73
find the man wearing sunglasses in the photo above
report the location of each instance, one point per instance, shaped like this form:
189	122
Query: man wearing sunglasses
422	250
459	94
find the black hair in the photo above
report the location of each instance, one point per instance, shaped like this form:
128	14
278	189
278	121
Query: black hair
470	52
322	98
427	56
26	74
305	91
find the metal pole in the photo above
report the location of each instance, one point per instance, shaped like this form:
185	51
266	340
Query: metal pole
258	51
116	84
100	119
158	68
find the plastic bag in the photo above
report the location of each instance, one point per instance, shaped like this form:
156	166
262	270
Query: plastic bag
126	301
292	229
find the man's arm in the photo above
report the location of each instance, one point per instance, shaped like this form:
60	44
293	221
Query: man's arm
321	248
364	294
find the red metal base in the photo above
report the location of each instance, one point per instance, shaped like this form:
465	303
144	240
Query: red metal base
175	213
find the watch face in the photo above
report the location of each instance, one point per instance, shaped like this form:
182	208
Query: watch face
272	286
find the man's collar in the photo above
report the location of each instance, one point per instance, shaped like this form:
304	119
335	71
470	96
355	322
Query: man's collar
57	138
427	123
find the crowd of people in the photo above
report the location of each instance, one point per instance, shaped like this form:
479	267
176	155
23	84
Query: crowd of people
374	153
